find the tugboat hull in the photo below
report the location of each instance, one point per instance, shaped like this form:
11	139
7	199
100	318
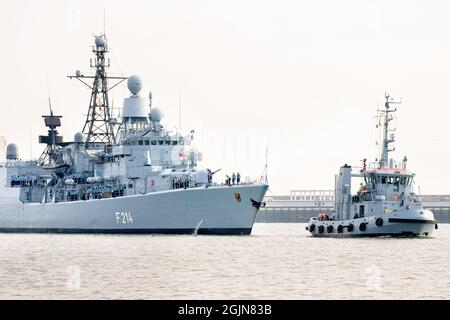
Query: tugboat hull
407	224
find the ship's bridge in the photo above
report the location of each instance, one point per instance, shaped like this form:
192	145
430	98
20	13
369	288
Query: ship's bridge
390	182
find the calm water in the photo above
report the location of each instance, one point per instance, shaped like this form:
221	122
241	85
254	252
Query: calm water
278	261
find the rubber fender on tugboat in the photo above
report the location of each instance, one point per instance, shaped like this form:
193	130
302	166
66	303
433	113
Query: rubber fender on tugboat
320	229
350	227
379	221
312	227
330	229
362	226
339	228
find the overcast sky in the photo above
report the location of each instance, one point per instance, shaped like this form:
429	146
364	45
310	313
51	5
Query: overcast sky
301	77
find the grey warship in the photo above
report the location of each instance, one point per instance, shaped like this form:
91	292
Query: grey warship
120	175
384	205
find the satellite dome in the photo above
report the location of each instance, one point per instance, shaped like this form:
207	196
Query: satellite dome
78	137
134	84
12	152
156	114
99	41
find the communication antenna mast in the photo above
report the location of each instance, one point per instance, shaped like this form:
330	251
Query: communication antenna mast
267	156
179	109
99	126
264	174
388	134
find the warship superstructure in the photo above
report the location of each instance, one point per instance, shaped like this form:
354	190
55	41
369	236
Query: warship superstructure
125	175
385	203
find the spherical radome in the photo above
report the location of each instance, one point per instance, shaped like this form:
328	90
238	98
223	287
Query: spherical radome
78	137
134	84
156	114
12	151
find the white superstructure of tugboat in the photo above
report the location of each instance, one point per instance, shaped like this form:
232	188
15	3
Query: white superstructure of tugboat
385	203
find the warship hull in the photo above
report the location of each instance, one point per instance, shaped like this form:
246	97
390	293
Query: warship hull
214	210
415	223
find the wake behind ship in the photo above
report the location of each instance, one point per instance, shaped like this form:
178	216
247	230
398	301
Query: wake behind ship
127	175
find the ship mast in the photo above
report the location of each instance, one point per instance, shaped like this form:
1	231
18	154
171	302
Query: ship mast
99	125
52	139
388	134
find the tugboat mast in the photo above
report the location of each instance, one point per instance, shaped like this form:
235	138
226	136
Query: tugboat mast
388	134
99	126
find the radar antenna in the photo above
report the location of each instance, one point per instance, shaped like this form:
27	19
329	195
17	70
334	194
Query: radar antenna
49	157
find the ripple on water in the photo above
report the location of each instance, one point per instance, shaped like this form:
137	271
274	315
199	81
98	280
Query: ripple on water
278	261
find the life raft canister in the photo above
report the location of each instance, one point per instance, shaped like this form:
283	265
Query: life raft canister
320	229
379	222
339	228
312	227
330	229
362	226
350	227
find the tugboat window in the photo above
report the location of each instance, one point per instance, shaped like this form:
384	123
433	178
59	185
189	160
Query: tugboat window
147	142
160	142
396	183
174	142
383	180
141	143
168	142
153	142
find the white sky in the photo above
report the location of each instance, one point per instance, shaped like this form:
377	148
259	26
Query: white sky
303	77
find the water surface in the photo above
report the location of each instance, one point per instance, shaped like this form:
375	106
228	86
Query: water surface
278	261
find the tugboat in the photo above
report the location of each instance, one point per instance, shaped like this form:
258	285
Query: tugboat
384	205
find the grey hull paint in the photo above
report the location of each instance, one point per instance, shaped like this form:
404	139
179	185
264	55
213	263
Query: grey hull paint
213	210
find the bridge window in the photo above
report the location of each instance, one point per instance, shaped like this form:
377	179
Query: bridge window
168	142
153	142
147	142
174	142
396	183
383	179
160	142
140	142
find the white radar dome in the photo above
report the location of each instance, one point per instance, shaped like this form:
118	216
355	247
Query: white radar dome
12	152
78	137
156	114
99	41
134	84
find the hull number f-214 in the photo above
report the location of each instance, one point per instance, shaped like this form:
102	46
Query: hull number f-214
124	218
